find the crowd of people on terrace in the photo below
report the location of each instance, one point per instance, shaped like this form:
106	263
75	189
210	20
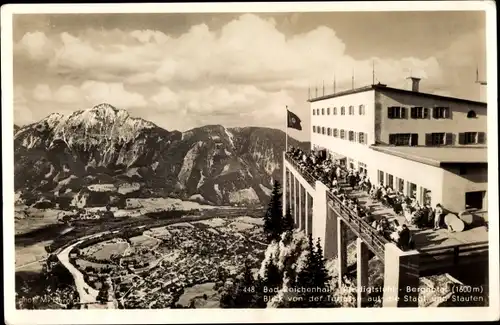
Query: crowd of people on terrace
338	177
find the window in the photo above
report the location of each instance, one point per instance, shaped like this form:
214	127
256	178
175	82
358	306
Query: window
322	111
441	112
351	110
401	185
403	139
342	110
412	190
390	180
471	114
329	131
328	111
474	200
419	112
472	138
381	177
394	112
438	139
361	109
317	111
335	133
314	129
335	111
362	168
314	112
342	134
427	196
323	130
351	135
361	137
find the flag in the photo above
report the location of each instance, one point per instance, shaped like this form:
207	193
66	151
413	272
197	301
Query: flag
293	121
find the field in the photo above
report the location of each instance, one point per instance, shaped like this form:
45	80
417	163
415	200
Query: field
104	250
82	264
196	294
27	257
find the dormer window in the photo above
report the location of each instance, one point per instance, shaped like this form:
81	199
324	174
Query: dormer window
471	114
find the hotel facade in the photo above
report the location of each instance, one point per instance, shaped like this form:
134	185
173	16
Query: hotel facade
426	146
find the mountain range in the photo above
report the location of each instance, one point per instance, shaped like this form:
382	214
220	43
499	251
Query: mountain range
63	156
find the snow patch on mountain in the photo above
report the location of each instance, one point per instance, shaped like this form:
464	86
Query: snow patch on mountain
132	172
246	195
217	190
188	163
102	187
154	165
230	137
128	188
201	181
265	190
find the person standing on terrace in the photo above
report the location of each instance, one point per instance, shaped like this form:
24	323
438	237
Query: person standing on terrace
437	216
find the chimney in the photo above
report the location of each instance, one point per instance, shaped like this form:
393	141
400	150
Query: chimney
414	84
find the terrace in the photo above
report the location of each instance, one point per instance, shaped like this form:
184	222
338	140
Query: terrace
438	248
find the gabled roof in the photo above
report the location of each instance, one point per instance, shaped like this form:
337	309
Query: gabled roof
384	88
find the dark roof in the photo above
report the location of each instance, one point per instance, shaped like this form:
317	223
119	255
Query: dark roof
381	87
438	156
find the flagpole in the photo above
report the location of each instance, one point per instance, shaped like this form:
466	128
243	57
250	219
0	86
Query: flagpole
286	129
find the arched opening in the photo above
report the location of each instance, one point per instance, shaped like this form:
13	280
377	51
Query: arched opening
471	114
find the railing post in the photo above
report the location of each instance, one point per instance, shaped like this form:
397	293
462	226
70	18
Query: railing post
456	251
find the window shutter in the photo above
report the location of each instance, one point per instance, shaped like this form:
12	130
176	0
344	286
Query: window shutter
314	128
366	138
413	112
428	139
446	113
481	137
434	112
391	138
426	112
389	112
461	138
414	139
448	139
403	112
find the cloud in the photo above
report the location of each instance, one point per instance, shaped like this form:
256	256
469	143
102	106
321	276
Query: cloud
232	55
68	94
248	68
113	93
90	93
22	113
42	93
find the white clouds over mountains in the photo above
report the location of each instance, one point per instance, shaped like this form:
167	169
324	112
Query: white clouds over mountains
246	68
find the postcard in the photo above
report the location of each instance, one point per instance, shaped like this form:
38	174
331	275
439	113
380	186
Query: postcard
250	162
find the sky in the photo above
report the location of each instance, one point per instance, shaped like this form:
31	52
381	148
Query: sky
186	70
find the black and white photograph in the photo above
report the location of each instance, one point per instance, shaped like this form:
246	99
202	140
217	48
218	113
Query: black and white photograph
260	157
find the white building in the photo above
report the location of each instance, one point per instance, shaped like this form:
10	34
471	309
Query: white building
430	146
424	145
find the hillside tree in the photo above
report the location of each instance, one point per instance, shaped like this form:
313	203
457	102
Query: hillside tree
273	219
288	223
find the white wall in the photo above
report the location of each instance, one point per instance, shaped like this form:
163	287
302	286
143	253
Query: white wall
456	185
422	175
458	122
358	123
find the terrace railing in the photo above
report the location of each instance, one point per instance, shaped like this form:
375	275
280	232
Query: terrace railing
450	256
360	227
307	176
